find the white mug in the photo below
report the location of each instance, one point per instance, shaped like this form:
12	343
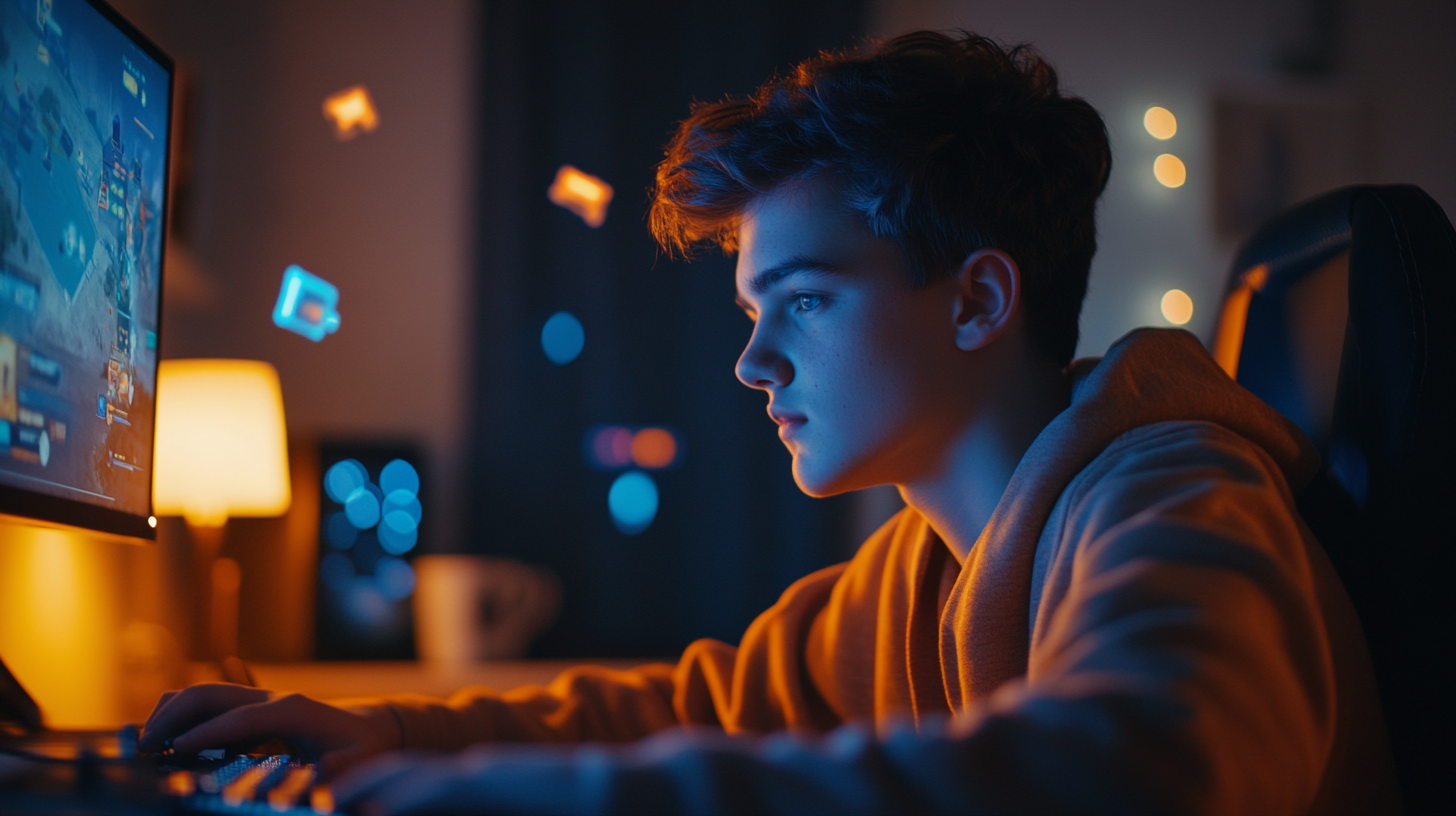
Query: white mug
470	608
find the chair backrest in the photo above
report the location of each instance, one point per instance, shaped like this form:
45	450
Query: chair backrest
1341	314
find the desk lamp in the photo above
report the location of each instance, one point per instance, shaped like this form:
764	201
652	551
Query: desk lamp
221	452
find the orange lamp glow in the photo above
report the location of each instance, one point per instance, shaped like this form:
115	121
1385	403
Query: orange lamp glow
1169	170
222	449
351	111
582	193
653	448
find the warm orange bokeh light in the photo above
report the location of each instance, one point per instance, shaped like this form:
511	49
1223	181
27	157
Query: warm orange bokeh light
653	448
1169	170
1177	307
352	111
582	193
1160	123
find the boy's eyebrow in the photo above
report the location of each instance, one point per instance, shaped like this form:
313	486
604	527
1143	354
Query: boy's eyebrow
761	282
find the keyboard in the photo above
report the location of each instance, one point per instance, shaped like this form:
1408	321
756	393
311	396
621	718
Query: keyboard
259	784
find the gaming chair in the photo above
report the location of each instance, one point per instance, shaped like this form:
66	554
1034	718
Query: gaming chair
1341	314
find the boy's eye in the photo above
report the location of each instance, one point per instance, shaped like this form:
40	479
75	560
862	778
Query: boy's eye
807	303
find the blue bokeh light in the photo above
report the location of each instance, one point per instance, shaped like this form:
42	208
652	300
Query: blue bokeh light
401	502
395	542
632	502
395	578
307	304
340	532
562	337
344	478
362	508
399	475
365	605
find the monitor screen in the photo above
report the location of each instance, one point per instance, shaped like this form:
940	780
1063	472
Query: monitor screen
84	110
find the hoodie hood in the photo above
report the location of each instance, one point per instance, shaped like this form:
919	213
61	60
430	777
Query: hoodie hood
1149	376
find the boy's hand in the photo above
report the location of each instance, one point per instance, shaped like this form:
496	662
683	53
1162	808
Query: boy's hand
216	715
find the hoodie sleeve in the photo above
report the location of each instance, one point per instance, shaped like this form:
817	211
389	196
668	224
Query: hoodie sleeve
757	686
1179	664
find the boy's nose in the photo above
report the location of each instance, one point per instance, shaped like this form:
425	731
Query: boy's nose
761	365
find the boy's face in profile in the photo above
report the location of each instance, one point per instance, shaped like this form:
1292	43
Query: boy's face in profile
863	373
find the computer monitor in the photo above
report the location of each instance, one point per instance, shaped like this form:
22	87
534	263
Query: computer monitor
85	104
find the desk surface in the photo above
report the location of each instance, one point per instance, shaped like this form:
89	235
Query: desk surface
335	680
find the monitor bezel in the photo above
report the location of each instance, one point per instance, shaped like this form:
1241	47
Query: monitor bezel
24	505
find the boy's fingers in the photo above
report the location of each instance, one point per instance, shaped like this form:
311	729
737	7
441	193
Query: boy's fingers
289	716
180	711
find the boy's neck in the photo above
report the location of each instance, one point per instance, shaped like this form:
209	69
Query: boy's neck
958	497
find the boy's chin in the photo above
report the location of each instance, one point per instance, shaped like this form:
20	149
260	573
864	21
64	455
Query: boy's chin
819	481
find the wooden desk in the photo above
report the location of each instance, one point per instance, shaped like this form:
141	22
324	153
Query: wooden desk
331	680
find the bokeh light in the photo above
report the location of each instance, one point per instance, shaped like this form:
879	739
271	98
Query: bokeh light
1169	170
351	111
340	532
654	448
362	508
344	478
562	338
399	475
1160	123
581	193
402	511
365	605
632	502
395	578
395	542
609	447
1177	307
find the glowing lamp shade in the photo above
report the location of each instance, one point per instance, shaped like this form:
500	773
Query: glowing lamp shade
221	445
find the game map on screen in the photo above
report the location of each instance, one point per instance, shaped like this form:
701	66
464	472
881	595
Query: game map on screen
83	147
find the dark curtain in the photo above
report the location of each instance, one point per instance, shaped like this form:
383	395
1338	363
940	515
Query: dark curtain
600	86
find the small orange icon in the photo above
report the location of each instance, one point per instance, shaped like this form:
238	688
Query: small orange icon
352	111
582	193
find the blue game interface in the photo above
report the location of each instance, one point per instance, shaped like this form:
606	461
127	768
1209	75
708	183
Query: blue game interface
83	148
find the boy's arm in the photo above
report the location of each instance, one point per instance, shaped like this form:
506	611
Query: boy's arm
1186	670
750	687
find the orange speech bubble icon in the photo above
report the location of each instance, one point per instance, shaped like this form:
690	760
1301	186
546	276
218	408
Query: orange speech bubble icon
582	193
351	111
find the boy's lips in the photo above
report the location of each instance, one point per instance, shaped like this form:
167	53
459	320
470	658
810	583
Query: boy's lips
787	421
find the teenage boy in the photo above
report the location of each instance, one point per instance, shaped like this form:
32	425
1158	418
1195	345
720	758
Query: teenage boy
1099	597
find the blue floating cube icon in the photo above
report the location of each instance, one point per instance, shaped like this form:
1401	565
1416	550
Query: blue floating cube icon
307	304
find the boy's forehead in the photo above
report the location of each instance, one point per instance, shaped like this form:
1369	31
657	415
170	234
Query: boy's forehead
802	219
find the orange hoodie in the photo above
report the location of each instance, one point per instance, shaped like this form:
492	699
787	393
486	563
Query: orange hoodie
1144	625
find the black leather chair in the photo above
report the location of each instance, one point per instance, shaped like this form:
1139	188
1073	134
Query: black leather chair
1341	314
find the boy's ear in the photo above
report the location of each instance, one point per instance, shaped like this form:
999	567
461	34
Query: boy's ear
988	292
